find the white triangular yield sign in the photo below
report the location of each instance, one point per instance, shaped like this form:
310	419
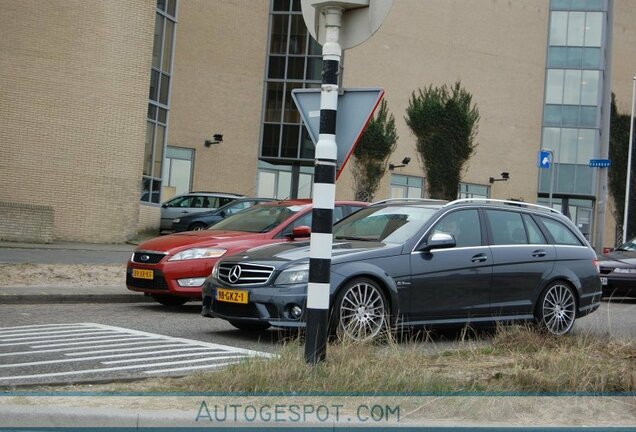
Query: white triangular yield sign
355	108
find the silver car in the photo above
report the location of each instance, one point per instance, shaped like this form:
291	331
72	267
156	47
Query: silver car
193	202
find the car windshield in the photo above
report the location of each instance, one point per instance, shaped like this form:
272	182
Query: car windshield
387	224
257	219
629	246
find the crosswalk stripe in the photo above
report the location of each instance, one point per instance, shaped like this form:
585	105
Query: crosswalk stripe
71	360
58	336
113	348
93	340
76	372
39	326
81	353
46	351
214	366
160	358
50	332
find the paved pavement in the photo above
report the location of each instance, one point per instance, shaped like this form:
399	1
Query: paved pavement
66	253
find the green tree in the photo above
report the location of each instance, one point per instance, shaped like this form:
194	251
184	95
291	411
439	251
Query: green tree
618	153
371	156
445	125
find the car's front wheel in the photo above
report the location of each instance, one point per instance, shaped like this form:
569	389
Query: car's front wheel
169	300
250	326
197	227
360	311
556	310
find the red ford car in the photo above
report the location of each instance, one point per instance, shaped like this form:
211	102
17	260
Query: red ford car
172	268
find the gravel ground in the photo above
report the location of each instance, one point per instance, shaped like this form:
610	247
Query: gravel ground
16	275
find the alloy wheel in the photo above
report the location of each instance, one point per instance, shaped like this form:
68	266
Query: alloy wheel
558	309
362	311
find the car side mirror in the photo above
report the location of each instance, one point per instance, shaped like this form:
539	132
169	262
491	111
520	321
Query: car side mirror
438	241
164	205
300	232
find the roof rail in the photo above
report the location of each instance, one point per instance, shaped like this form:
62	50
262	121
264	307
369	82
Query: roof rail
422	200
215	192
503	202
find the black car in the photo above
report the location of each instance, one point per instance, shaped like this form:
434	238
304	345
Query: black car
618	271
201	221
420	264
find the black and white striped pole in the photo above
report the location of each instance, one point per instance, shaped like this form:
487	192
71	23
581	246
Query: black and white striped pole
325	21
324	195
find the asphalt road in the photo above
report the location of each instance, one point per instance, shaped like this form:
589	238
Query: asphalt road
123	324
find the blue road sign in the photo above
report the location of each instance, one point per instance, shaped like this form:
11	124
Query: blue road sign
545	159
600	163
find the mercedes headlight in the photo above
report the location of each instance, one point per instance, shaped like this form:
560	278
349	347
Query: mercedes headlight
294	275
198	253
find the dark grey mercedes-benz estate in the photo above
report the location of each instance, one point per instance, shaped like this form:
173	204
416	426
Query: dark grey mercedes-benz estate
419	263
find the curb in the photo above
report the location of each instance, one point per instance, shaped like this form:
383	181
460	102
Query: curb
73	298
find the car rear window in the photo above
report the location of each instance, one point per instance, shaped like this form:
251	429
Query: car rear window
561	234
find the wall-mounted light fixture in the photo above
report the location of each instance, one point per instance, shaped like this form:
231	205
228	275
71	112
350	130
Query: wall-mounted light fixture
504	177
405	162
218	139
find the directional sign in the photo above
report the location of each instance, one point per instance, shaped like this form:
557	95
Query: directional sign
545	159
600	163
355	108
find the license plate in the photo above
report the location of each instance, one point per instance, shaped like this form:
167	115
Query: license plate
231	296
143	274
603	281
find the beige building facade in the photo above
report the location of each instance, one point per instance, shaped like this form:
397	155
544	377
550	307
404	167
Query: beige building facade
76	78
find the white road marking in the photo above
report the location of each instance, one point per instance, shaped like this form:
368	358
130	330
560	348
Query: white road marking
81	353
77	344
161	357
71	360
52	374
54	337
78	348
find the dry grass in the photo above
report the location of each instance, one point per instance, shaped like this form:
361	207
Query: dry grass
518	359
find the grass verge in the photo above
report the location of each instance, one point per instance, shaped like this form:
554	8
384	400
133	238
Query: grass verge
518	359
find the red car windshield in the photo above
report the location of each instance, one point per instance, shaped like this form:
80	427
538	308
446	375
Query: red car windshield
258	219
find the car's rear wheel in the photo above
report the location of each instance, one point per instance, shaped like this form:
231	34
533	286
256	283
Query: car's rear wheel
250	326
360	311
556	310
169	300
198	226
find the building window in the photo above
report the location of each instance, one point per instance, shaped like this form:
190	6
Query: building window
573	95
468	190
403	186
177	169
576	29
159	100
294	61
274	181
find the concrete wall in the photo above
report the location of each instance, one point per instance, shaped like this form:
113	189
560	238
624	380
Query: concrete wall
74	79
218	88
498	51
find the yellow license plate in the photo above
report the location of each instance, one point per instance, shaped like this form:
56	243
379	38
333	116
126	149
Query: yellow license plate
231	296
143	274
